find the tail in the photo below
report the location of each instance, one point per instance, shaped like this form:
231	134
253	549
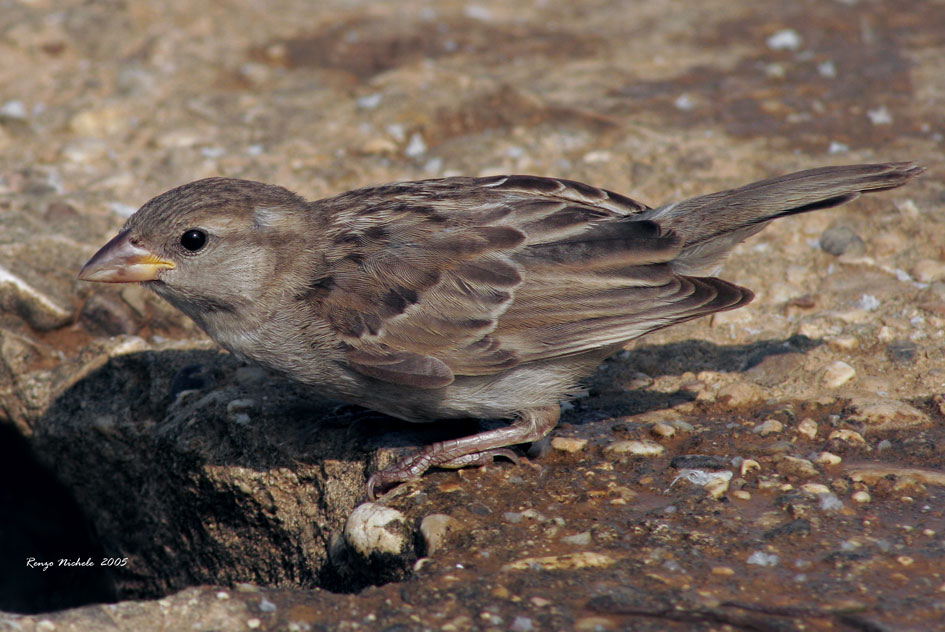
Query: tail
711	225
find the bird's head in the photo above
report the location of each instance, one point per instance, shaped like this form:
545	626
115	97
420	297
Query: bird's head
211	244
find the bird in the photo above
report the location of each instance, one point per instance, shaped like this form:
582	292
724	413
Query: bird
452	298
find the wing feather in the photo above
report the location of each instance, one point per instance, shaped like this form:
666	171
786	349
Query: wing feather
467	276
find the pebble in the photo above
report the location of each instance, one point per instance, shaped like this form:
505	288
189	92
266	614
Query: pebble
843	343
103	313
807	427
250	376
662	430
699	461
522	624
578	539
416	147
568	444
725	571
861	497
902	351
566	562
829	458
872	473
594	624
767	427
374	528
760	558
882	414
785	39
740	394
435	530
847	435
716	483
39	310
635	447
841	240
816	488
795	466
238	410
104	121
928	270
776	369
837	374
750	465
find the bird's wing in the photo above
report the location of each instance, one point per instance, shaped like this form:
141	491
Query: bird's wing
473	276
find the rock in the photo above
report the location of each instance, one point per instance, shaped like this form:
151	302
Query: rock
569	561
887	414
634	447
380	543
569	445
794	466
841	240
578	539
132	452
374	529
807	427
776	368
928	270
40	310
699	461
662	430
873	473
767	427
435	530
104	314
103	121
829	458
848	436
843	343
861	497
902	351
837	374
740	394
748	466
716	483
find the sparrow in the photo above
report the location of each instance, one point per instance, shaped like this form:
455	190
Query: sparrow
451	298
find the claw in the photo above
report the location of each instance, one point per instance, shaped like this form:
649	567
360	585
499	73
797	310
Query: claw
476	450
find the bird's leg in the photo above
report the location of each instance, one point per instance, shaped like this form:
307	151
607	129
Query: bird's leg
530	425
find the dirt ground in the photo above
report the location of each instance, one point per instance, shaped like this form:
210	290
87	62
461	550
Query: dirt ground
778	467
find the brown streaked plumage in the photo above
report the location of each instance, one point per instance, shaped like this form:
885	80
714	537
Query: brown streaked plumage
459	297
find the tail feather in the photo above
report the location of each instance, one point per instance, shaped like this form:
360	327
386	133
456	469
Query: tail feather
711	225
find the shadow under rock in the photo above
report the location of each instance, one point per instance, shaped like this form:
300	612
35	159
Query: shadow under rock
201	471
43	533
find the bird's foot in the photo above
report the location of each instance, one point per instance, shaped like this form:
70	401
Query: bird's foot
475	450
413	467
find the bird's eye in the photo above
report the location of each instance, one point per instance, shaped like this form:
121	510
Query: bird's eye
193	240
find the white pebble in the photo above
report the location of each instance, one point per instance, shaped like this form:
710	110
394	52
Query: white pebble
374	528
880	116
416	147
785	39
760	558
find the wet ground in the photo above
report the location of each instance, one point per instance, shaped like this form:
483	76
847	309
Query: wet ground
774	468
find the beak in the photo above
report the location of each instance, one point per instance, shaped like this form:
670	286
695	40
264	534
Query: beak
121	261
